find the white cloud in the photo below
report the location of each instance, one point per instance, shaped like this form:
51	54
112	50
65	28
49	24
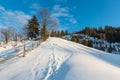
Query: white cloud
60	11
60	14
35	6
63	12
15	19
73	21
2	8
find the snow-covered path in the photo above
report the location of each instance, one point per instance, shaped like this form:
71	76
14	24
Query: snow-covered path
58	59
40	64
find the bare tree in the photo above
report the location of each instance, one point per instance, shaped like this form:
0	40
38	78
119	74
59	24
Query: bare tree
52	25
24	32
2	37
44	17
48	23
13	34
6	34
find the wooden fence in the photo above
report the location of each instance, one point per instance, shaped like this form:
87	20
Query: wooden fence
25	50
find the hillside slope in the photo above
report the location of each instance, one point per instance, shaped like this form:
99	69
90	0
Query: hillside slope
58	59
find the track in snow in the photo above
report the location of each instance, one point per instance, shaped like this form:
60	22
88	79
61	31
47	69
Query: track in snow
58	59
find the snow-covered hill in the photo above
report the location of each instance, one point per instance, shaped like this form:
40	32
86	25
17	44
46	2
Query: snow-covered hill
58	59
96	43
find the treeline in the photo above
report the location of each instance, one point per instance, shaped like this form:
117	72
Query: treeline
10	33
43	28
38	27
59	33
109	33
84	42
34	30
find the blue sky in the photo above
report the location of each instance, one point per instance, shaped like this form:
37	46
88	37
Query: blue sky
69	14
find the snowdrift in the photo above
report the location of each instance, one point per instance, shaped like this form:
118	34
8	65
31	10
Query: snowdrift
58	59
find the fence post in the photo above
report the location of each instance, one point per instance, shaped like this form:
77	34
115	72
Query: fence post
38	43
32	45
24	53
24	49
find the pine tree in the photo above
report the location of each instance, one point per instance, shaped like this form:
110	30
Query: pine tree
52	33
33	28
85	42
90	43
55	33
73	38
58	34
77	40
110	49
66	32
62	33
100	30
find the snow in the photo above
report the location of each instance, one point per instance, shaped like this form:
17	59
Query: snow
91	68
58	59
10	50
100	44
4	47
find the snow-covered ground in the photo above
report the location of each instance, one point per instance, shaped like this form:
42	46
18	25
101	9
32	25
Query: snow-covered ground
10	45
58	59
100	44
10	50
